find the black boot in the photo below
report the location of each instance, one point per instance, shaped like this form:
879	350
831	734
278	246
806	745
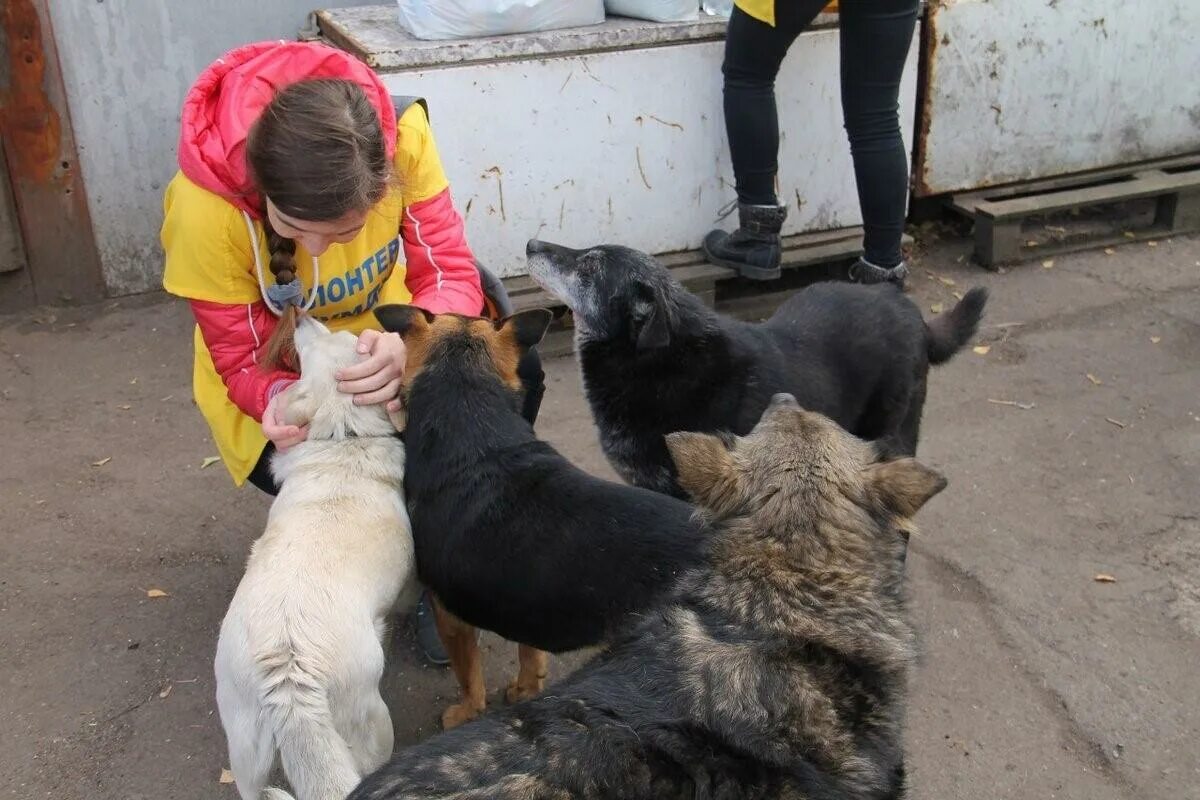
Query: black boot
863	271
754	249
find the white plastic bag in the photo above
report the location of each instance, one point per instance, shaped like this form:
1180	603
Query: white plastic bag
655	10
717	8
465	19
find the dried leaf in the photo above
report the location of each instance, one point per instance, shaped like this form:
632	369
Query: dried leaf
102	462
226	776
981	350
125	407
947	281
1014	403
1104	578
1155	339
165	399
208	462
133	382
1130	235
1048	263
1108	251
153	593
1116	422
1151	243
1031	243
165	692
1094	379
957	295
936	308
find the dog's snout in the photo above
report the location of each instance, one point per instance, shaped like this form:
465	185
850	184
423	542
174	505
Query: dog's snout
534	247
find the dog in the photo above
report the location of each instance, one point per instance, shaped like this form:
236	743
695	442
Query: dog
778	669
510	536
300	657
655	359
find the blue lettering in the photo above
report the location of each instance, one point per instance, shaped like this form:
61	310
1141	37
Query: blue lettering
381	263
354	281
373	297
320	294
393	248
369	266
337	290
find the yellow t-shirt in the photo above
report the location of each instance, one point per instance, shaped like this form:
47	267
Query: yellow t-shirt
764	10
209	258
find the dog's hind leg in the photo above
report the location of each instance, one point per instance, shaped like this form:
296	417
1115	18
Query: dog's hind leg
371	743
462	646
531	677
251	752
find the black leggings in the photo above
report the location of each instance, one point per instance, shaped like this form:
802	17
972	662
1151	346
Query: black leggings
529	369
875	37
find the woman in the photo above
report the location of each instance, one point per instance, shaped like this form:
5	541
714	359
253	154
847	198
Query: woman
291	155
875	36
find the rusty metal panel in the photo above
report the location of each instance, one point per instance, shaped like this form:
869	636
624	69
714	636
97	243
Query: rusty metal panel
55	224
1018	90
12	251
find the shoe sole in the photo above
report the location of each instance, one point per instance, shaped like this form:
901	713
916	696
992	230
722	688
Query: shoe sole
745	270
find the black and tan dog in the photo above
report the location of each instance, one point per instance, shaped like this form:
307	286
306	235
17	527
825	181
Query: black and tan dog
777	670
655	359
509	535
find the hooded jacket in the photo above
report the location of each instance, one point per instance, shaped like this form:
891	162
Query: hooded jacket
412	249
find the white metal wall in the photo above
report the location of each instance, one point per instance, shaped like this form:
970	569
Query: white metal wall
1024	89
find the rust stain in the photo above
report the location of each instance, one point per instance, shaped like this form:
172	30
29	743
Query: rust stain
497	173
32	127
926	83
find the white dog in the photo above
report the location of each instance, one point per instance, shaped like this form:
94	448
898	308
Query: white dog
300	654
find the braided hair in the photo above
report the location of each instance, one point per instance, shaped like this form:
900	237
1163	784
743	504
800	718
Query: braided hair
317	151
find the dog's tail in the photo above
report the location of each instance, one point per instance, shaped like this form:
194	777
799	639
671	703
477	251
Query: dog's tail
947	333
317	761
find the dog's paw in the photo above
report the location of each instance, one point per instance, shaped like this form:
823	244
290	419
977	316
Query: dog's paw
516	692
457	714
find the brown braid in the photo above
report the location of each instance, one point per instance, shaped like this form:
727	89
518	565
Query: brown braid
281	347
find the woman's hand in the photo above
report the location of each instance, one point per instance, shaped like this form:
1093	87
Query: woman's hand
376	379
281	434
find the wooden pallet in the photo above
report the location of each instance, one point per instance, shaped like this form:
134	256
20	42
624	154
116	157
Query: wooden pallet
999	213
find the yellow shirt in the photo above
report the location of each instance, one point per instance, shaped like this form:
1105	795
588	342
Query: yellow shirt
764	10
209	258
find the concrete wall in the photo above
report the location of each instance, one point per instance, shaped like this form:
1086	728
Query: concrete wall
127	65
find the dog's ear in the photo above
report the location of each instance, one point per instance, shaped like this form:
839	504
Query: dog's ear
651	317
400	318
904	485
703	462
296	405
526	327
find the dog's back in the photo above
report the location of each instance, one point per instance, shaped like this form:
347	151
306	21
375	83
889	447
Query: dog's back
509	535
515	539
655	360
299	657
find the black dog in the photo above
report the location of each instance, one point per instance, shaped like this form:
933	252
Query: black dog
509	535
657	360
778	669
